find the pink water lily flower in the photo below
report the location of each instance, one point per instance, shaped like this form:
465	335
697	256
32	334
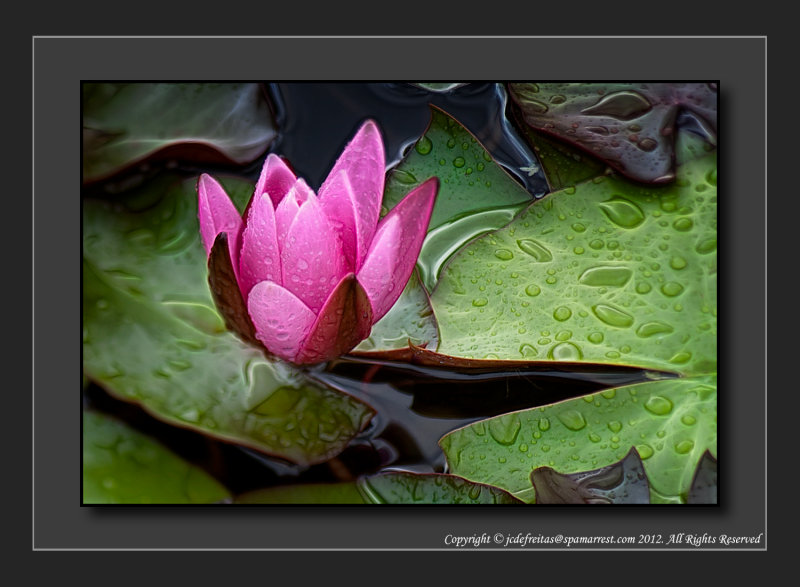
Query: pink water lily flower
316	271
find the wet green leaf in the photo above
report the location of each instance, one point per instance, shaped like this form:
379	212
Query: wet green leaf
475	194
125	123
147	243
124	466
608	272
671	423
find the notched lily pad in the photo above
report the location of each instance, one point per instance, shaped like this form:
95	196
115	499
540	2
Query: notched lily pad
124	466
629	126
704	484
605	272
671	423
123	124
623	482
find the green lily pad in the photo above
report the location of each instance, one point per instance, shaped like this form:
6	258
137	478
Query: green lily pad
122	465
123	124
671	423
471	184
411	320
147	243
385	488
609	271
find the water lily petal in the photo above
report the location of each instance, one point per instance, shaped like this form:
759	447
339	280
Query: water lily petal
260	258
288	207
216	213
364	160
276	179
311	255
344	321
395	248
282	321
338	203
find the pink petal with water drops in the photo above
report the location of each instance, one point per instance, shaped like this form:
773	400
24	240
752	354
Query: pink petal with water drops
338	203
276	179
281	320
260	257
395	248
311	255
344	320
287	209
364	160
216	213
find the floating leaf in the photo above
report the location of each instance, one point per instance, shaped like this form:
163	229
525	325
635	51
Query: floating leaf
125	123
147	244
122	465
622	482
475	194
630	126
606	272
671	423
